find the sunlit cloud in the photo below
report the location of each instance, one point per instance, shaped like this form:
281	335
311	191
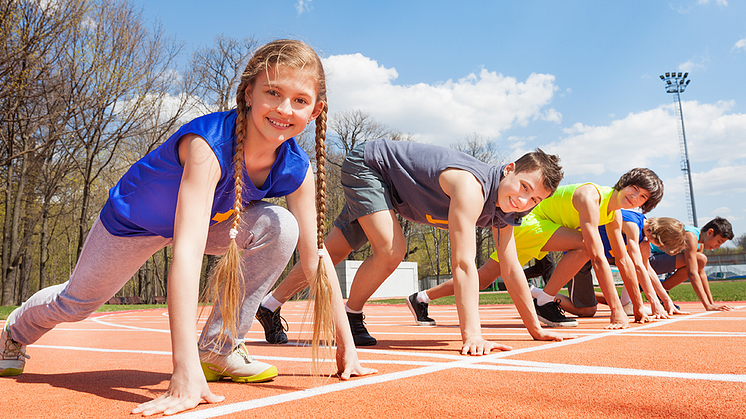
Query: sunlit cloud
483	102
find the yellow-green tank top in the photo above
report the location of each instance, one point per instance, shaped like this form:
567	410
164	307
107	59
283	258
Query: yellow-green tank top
559	209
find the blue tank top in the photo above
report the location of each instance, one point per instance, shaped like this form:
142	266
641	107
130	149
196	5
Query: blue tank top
627	215
411	172
694	230
143	202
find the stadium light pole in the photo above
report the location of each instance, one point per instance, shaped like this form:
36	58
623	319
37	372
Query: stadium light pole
676	83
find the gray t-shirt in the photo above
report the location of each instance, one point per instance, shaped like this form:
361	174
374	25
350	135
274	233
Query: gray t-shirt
411	171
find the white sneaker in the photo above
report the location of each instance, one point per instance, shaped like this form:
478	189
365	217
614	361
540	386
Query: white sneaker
238	365
629	309
12	354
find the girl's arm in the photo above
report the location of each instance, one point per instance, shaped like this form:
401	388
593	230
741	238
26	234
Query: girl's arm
302	204
188	386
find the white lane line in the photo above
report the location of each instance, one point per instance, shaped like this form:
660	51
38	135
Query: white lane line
376	379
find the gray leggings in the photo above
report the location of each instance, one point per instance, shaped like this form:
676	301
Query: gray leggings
268	235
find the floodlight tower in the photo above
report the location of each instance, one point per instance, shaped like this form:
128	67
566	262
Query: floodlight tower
676	83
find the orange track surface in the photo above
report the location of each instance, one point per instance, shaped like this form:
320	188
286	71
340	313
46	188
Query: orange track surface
690	366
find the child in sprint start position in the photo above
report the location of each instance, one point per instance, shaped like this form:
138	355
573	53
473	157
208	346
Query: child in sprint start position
438	187
690	263
201	191
639	233
568	221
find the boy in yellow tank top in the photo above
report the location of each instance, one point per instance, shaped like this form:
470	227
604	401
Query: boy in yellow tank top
568	221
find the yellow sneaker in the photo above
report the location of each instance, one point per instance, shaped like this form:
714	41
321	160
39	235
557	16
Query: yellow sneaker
238	365
12	354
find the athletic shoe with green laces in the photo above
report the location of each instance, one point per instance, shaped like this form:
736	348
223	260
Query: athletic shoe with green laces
238	365
13	354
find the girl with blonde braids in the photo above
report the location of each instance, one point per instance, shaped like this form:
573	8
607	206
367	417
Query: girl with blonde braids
201	191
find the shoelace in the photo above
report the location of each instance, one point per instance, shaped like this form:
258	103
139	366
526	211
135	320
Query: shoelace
13	350
277	321
241	349
559	308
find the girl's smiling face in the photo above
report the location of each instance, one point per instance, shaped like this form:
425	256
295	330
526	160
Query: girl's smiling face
520	192
282	102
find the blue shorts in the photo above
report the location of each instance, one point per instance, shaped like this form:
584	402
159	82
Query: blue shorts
663	263
365	193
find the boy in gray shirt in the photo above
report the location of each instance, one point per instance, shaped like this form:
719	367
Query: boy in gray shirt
439	187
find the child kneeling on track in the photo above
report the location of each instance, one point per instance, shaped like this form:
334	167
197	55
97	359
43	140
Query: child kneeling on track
201	191
439	187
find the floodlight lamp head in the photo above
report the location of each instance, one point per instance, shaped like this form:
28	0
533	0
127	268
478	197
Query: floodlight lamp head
679	74
668	82
687	82
668	74
686	74
662	78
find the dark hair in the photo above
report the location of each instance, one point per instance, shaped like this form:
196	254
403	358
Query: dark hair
645	179
721	227
551	171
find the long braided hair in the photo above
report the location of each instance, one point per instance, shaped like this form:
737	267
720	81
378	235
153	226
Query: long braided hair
225	281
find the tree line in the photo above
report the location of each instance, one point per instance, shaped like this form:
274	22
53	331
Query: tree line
87	87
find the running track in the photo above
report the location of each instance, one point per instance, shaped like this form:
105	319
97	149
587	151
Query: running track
687	367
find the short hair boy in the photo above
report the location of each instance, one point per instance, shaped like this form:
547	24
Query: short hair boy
438	187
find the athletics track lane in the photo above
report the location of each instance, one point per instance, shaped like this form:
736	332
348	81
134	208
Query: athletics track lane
690	366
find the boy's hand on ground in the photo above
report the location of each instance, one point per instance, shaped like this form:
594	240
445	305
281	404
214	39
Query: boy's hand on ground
641	317
676	311
619	320
554	336
478	346
718	307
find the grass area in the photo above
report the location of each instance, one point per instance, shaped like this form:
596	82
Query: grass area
721	291
6	310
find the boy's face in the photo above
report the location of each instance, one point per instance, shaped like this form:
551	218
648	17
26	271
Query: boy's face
633	197
712	240
520	192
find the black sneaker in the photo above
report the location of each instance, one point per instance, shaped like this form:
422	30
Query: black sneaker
271	321
419	311
552	315
359	333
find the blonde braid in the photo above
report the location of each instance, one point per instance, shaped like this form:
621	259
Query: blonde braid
323	323
225	283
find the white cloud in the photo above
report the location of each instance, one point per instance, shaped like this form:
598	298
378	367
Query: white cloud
718	2
483	102
649	138
303	6
741	44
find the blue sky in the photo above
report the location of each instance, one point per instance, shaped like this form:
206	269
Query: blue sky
576	78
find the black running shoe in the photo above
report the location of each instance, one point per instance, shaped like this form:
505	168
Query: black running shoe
419	311
271	321
552	315
359	333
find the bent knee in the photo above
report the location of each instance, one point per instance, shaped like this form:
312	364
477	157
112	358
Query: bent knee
586	311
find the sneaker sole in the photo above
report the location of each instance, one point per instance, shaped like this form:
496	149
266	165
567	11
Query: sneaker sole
212	374
419	323
569	323
9	372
